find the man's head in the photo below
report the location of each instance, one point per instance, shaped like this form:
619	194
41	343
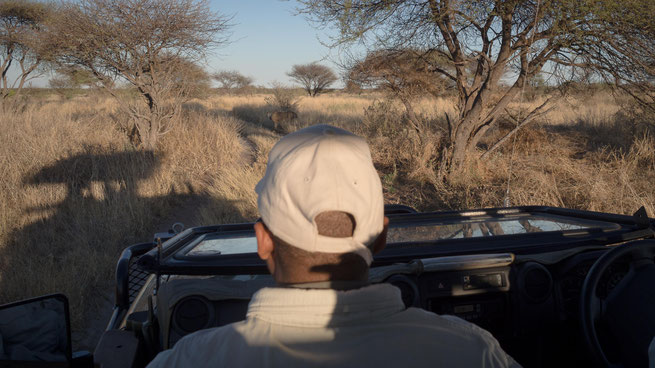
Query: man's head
321	206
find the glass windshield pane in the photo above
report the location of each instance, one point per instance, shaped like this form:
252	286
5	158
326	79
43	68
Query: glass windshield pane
489	227
222	244
211	245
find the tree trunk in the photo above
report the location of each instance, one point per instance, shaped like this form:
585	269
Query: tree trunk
462	142
474	123
150	138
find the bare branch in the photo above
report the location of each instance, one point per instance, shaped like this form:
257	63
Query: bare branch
154	45
488	42
535	113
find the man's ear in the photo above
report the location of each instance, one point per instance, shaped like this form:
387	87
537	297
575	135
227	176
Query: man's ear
381	240
264	237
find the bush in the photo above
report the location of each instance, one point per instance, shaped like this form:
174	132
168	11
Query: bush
283	98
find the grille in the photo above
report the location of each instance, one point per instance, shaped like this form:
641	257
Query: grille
136	279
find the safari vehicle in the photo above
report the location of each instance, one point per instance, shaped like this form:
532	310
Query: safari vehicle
557	287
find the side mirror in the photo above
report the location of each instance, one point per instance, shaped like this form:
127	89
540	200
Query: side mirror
36	332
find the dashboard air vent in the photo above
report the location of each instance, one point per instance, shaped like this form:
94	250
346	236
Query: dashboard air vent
535	282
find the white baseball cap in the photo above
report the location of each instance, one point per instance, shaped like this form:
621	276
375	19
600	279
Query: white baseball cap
317	169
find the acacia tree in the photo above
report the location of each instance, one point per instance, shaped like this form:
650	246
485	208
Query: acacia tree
403	74
314	78
153	45
72	78
487	42
22	44
67	80
232	79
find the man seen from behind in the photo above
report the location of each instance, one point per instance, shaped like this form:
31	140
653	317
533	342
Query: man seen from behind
322	220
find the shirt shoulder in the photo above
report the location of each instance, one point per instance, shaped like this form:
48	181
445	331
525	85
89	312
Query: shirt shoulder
192	349
481	340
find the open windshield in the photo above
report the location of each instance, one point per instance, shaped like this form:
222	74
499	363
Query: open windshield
214	244
490	227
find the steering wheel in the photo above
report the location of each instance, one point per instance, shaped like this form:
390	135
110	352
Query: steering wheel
628	311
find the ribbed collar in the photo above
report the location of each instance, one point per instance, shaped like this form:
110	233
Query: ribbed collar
336	285
324	307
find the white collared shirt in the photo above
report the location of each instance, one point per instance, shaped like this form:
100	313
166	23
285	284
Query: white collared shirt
367	327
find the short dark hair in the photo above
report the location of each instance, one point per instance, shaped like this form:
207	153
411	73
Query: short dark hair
339	266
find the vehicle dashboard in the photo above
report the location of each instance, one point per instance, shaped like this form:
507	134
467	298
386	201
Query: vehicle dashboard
528	304
523	288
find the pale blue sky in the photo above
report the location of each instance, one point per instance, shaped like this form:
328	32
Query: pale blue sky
267	40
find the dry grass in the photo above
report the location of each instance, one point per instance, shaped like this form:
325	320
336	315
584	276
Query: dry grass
561	173
596	109
585	153
75	192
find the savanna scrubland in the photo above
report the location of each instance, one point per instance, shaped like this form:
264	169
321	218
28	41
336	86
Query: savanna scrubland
75	191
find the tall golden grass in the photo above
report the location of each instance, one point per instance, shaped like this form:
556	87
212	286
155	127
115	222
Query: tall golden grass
585	153
74	191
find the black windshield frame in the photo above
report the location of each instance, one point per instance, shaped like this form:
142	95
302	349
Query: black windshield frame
613	228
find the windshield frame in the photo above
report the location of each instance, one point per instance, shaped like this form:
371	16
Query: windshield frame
174	259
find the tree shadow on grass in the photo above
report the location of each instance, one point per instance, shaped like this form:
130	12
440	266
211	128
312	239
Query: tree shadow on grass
617	135
255	114
259	115
72	246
